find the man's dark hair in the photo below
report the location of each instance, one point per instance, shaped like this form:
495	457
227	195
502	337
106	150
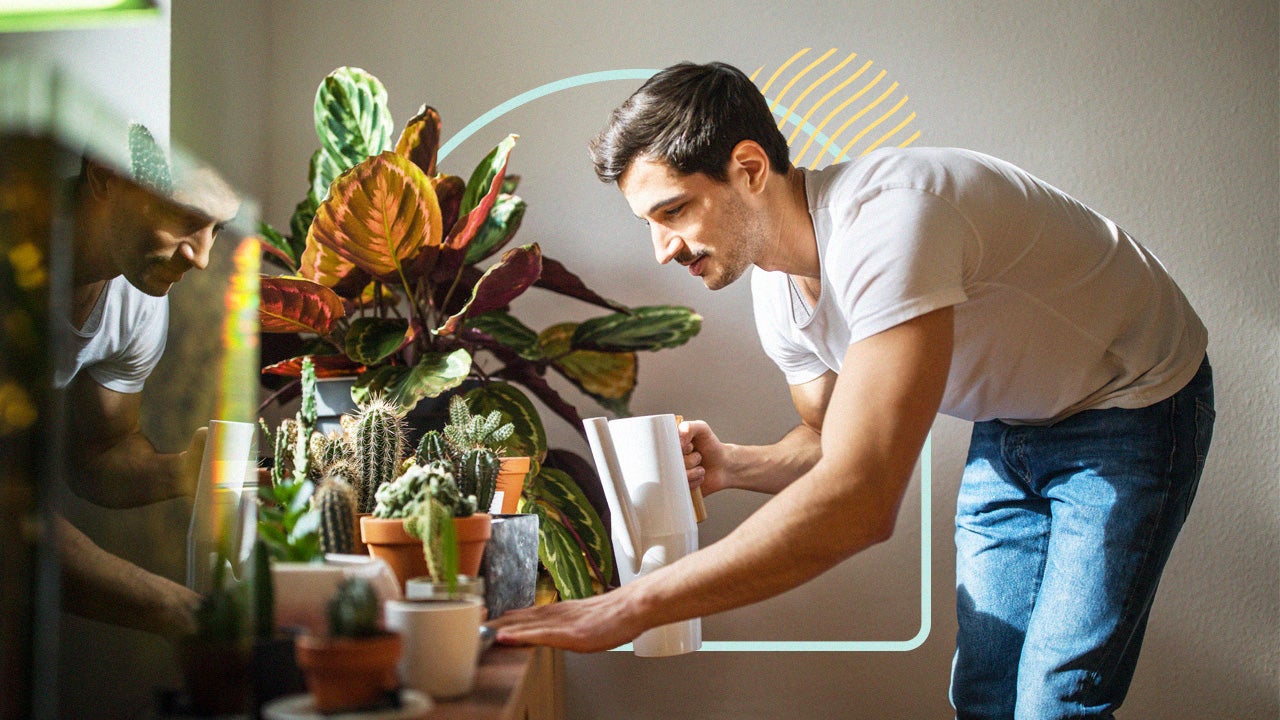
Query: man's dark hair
690	117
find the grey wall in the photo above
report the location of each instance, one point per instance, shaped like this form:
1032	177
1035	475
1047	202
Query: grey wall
1160	114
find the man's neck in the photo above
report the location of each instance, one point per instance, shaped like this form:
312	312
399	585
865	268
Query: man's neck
795	247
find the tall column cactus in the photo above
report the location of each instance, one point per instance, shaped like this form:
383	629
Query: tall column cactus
336	501
379	445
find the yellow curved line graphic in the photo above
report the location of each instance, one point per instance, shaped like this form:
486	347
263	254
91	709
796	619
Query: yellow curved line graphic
849	117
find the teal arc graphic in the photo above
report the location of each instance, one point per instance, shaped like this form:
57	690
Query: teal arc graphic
926	470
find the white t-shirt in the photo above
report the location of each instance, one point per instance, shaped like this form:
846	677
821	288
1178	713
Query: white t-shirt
1057	309
121	341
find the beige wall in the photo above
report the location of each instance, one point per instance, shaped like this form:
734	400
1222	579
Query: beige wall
1160	114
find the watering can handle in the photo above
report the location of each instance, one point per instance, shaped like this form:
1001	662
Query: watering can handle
699	507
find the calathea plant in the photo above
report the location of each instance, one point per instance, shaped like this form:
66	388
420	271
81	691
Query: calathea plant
382	280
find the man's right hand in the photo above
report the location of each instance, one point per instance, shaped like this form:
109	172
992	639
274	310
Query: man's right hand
189	462
706	459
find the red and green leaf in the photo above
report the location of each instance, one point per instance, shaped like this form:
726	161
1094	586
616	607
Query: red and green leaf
499	285
644	328
498	229
294	304
420	139
609	377
434	374
378	216
482	191
327	366
556	278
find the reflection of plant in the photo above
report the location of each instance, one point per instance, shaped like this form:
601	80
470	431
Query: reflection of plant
383	283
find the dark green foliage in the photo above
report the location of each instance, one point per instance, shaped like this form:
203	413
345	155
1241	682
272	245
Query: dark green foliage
220	615
264	620
353	610
432	448
477	474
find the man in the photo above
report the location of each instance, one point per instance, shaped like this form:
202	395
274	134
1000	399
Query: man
131	244
909	282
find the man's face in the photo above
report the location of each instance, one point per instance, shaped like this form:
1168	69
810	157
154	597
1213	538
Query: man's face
705	225
156	239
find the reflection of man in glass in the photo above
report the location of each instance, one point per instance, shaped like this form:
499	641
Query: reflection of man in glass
131	245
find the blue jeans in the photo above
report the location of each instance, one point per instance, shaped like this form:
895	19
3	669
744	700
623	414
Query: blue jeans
1062	532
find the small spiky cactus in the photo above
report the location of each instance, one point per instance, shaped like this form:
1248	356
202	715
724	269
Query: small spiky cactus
477	473
336	501
379	445
333	449
432	448
466	431
353	610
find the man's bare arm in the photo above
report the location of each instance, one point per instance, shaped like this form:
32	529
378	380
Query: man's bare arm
113	464
881	409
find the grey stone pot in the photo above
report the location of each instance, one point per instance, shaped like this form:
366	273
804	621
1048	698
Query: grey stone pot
510	563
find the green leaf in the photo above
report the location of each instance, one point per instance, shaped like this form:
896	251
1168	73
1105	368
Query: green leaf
609	377
482	178
509	331
498	229
557	489
529	438
646	328
351	116
561	556
376	382
434	374
369	340
278	245
324	169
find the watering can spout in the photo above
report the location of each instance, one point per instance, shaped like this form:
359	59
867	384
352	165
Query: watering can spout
627	544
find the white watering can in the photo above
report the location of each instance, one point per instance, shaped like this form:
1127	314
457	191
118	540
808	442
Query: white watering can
653	517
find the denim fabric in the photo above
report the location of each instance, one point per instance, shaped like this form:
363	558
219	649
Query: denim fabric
1061	535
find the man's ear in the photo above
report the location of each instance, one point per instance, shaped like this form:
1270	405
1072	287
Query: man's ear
751	163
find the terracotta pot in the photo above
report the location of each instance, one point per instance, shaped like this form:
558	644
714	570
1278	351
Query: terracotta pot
359	548
387	539
349	673
511	482
473	532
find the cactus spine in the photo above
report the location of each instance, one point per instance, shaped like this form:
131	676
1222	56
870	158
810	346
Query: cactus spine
379	444
432	448
336	501
478	475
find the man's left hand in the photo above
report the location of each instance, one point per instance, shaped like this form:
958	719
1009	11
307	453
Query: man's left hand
591	625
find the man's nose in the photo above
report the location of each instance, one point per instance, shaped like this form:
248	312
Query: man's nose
666	245
197	247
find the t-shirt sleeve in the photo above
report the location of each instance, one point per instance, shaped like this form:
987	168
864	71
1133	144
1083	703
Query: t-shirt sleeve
146	334
899	257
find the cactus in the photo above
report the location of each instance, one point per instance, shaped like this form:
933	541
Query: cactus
466	431
477	474
353	610
150	168
432	448
378	447
306	420
434	528
334	448
336	501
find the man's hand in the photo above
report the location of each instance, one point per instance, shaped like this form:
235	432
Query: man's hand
706	459
597	623
189	462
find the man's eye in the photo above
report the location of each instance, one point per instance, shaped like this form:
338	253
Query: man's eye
672	212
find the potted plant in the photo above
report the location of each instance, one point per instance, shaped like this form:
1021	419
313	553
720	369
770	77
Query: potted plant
382	281
215	660
353	667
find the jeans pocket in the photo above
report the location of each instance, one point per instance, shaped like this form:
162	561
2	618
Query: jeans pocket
1204	417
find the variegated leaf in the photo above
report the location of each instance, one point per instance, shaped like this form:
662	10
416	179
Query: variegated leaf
324	169
379	215
529	437
369	340
560	554
434	374
557	490
377	381
420	139
509	331
498	229
645	328
609	377
503	282
557	278
351	115
326	266
326	366
294	304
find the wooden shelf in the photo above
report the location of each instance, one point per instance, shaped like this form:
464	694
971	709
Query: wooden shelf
513	683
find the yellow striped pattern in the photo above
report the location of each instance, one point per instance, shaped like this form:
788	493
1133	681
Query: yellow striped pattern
866	110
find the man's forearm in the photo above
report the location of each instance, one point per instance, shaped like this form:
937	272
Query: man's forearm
101	586
771	468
